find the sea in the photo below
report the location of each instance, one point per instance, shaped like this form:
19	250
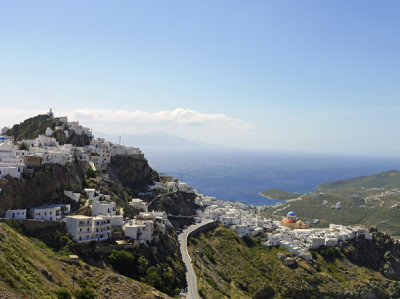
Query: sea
241	175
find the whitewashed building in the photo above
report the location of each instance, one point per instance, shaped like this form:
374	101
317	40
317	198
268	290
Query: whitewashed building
16	214
103	207
49	212
101	228
80	228
138	203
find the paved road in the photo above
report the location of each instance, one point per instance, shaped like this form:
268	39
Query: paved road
192	292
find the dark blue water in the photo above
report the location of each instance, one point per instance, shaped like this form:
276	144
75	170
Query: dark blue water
240	176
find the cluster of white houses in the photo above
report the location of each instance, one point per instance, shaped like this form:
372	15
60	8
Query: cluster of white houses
300	241
170	184
238	216
245	221
52	212
15	159
144	228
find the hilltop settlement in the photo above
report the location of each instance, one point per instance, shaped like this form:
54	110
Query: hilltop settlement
53	170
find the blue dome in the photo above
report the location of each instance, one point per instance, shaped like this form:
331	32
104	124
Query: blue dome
291	213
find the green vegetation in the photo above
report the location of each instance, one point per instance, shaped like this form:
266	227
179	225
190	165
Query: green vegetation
30	269
387	180
370	201
32	127
123	261
63	294
279	194
243	271
90	173
164	271
85	293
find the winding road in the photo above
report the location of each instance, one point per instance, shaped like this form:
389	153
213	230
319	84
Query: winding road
192	292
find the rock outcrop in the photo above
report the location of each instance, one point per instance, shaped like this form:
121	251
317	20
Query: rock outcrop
379	254
44	186
131	172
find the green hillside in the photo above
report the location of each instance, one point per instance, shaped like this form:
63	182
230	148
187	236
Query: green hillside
28	268
228	266
388	179
373	201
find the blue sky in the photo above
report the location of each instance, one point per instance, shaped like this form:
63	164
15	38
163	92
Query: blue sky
283	75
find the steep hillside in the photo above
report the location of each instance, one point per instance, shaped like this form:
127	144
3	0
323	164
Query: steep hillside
33	127
131	172
30	269
231	267
46	185
388	179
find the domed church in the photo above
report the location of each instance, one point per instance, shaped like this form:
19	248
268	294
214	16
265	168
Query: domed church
292	222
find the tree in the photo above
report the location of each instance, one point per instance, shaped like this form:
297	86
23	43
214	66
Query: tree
63	210
23	147
90	173
143	264
123	261
153	278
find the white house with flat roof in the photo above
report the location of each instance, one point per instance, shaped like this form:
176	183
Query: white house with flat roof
183	187
80	228
101	228
141	230
103	207
138	203
16	214
49	212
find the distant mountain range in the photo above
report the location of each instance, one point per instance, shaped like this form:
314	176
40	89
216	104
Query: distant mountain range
159	140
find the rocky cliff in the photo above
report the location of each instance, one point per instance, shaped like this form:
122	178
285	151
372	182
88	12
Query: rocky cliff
131	172
380	254
44	186
33	127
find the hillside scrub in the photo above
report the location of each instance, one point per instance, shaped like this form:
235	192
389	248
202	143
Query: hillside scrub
237	270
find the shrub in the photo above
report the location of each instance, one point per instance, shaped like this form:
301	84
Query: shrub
207	253
329	253
85	293
153	278
123	261
143	265
63	294
23	147
90	173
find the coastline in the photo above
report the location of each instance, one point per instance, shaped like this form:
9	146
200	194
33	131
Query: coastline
300	197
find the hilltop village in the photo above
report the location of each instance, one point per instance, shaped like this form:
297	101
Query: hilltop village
104	223
91	215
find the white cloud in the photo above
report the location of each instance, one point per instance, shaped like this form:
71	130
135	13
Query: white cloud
179	116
